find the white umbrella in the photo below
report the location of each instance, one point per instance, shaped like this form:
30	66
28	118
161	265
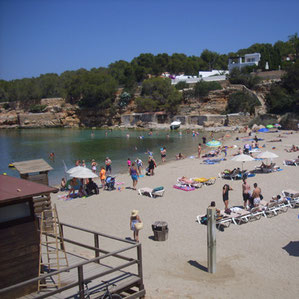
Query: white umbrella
243	158
267	155
74	169
82	173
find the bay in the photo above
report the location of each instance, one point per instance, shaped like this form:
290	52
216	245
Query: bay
70	145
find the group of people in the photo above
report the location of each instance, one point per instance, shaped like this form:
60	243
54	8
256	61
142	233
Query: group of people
251	198
135	169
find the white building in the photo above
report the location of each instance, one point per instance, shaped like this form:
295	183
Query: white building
247	60
214	75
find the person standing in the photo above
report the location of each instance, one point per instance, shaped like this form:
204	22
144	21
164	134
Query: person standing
139	165
256	195
129	162
93	166
246	193
134	174
134	219
108	163
151	165
163	154
225	191
199	149
103	176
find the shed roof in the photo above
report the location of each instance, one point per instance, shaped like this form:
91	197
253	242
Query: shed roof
14	188
32	166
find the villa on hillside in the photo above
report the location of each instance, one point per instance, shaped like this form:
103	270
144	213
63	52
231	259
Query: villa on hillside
214	75
240	62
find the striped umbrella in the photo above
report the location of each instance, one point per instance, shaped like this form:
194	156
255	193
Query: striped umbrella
213	143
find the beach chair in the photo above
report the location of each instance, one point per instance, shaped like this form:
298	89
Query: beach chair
225	219
256	213
292	196
159	191
205	181
190	183
294	162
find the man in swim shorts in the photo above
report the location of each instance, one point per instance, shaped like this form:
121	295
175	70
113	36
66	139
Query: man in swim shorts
108	163
256	195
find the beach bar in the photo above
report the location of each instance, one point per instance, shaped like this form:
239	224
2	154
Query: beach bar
19	236
34	170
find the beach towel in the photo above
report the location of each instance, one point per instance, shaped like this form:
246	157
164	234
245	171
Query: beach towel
184	188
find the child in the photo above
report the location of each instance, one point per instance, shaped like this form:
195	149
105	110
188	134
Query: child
103	176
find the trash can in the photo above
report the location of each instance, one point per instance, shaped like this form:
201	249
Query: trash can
160	229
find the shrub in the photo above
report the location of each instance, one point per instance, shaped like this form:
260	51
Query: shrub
37	108
181	85
243	77
145	105
202	88
242	102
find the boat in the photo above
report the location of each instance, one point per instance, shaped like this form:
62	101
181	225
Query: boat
11	165
175	125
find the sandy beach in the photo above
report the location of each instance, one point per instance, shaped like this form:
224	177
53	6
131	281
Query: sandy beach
251	261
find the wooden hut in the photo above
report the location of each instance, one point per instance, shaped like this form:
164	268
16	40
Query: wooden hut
19	236
34	170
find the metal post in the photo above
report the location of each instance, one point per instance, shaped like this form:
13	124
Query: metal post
96	244
211	239
140	271
80	282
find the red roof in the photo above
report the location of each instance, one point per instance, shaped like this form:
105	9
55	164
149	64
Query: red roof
14	188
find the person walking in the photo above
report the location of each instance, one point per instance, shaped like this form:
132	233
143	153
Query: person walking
139	165
226	188
134	174
134	219
246	193
108	163
151	165
163	154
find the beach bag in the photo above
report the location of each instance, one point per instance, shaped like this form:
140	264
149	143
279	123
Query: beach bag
139	225
261	196
227	211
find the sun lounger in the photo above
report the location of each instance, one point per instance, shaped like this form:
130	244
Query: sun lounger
292	196
159	191
188	182
224	220
294	162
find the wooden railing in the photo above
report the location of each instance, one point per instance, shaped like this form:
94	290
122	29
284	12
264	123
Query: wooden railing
80	266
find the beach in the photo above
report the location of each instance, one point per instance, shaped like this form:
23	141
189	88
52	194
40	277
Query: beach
251	261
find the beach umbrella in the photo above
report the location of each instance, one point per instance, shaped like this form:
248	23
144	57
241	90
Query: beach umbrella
82	173
270	126
243	158
74	169
213	143
263	130
267	155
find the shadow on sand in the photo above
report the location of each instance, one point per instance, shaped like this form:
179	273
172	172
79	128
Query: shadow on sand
198	266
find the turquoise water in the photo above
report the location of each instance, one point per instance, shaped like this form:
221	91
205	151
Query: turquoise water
72	144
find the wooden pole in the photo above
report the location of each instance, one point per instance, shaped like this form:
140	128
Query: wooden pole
96	244
211	239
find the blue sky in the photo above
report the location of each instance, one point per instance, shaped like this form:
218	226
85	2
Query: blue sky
51	36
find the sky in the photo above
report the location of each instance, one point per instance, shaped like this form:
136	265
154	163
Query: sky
52	36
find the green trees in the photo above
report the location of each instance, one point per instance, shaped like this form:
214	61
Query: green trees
158	94
242	102
244	77
285	97
202	88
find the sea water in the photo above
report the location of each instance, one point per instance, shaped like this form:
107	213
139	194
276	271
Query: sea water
70	145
